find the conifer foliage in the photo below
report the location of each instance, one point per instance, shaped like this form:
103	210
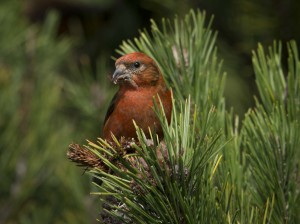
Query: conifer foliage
210	167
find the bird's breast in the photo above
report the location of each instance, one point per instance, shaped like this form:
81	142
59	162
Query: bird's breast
137	106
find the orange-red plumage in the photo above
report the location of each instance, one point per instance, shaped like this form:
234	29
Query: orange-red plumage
139	80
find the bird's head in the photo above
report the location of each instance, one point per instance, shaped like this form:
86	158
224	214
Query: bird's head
135	70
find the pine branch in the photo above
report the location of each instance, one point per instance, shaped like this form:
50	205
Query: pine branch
189	178
157	181
271	135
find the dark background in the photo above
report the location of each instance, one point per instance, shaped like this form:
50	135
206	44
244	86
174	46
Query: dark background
241	26
54	86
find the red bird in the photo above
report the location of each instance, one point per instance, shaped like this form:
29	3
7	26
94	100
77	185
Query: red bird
140	81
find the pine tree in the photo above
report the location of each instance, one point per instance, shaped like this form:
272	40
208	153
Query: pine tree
211	167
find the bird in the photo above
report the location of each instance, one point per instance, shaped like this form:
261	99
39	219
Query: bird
140	82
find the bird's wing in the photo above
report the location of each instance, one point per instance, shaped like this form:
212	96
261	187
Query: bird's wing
111	107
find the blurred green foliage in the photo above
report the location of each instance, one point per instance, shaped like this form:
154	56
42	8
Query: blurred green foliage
43	110
54	86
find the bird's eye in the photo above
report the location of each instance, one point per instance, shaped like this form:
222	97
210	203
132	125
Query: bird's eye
137	64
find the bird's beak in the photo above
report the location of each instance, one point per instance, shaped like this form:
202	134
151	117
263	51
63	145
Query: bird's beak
120	75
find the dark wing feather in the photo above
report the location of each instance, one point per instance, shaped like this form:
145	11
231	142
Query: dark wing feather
111	107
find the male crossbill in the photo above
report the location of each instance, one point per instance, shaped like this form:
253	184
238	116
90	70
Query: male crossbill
140	83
